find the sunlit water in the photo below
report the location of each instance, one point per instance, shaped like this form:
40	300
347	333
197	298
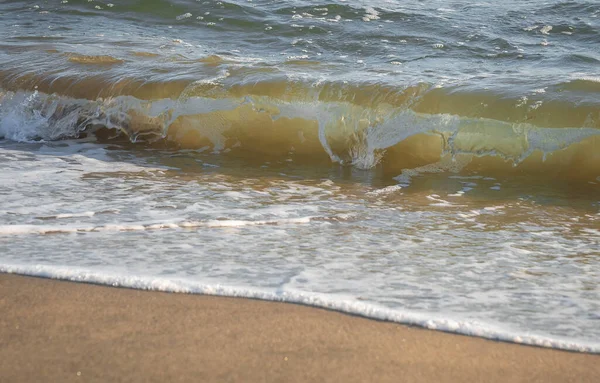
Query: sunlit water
434	163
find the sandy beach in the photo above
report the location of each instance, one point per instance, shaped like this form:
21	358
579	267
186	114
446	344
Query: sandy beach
55	331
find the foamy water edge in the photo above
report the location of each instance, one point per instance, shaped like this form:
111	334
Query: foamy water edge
325	301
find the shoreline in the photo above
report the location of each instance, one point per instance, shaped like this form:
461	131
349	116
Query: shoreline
369	311
66	331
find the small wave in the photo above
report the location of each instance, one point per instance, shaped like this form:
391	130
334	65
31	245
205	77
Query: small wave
85	214
384	131
327	301
583	84
93	60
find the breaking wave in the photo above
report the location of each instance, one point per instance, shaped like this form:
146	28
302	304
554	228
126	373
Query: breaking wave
369	126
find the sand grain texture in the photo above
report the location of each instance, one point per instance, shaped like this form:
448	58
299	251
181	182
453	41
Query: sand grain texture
55	331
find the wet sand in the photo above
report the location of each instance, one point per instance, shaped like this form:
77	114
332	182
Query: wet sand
54	331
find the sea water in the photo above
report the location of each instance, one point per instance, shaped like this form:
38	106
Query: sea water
430	163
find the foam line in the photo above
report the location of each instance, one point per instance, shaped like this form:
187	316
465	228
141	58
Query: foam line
65	229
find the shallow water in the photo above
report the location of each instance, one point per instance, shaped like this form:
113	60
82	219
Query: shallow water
430	163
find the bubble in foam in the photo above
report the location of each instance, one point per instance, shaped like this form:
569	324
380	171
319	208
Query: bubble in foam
370	14
184	16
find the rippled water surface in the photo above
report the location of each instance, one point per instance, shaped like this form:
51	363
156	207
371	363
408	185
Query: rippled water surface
435	163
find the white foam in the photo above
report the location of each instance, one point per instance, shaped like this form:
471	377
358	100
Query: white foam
344	304
386	190
75	215
370	14
438	201
65	229
184	16
494	208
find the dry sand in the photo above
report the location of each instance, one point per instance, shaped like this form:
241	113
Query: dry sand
53	331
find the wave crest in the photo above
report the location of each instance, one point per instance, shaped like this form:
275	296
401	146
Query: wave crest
382	134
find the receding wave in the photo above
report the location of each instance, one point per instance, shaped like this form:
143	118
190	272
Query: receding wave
328	301
418	127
